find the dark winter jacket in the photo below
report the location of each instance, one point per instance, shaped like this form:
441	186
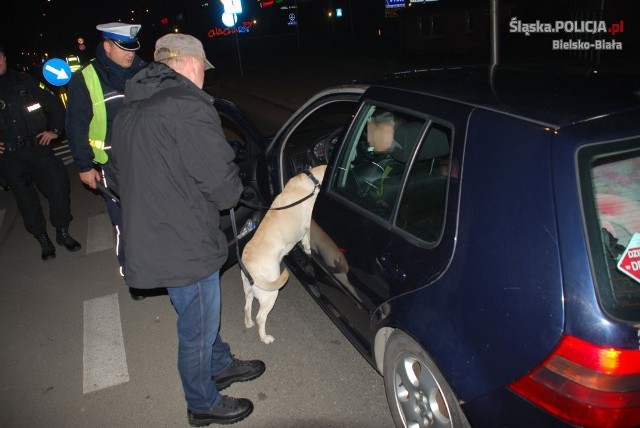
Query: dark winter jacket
175	172
17	122
80	108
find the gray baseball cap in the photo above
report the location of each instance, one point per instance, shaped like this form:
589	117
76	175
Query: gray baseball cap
175	44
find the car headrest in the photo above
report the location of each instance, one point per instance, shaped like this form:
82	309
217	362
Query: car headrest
436	144
406	135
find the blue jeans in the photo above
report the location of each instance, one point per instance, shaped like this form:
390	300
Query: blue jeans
201	351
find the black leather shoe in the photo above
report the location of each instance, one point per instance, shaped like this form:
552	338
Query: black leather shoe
63	238
230	410
135	295
238	371
48	250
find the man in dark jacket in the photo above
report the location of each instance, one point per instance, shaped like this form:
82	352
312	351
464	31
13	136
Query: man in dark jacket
94	97
31	117
175	172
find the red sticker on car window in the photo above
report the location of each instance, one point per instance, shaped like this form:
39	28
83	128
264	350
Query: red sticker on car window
629	263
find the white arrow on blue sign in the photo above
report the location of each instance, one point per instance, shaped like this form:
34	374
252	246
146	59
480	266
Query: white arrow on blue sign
56	71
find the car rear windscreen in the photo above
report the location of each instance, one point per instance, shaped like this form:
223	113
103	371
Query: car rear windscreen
611	188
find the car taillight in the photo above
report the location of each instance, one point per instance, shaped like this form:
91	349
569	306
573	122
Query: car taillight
586	385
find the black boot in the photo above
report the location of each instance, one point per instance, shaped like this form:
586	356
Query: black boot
137	294
48	250
63	238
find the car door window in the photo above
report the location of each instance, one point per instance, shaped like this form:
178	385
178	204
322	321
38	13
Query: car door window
241	133
312	141
421	211
375	158
236	138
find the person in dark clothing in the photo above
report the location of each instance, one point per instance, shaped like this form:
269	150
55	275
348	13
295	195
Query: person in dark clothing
175	172
31	117
95	95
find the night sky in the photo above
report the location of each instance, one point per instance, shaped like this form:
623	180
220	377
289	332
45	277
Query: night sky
35	25
53	26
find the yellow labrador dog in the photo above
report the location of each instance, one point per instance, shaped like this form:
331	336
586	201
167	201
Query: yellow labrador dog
278	232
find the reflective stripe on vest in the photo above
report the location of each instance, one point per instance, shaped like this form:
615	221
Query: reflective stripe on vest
98	125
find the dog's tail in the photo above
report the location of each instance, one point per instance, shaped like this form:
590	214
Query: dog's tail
272	285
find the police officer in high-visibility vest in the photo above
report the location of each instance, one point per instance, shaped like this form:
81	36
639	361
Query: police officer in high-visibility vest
31	117
95	94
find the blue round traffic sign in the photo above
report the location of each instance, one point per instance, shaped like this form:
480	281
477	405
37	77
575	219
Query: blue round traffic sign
56	71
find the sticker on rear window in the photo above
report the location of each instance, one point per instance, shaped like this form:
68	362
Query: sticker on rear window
629	263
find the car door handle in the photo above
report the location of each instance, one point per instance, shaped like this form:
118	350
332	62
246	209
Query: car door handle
389	268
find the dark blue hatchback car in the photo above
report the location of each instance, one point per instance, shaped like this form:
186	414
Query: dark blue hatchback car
477	238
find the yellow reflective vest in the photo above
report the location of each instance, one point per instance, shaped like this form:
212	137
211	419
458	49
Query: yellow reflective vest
98	125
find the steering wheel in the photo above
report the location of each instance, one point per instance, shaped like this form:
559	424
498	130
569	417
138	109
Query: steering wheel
331	142
322	148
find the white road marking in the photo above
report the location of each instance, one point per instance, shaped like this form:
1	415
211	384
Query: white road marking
104	359
99	233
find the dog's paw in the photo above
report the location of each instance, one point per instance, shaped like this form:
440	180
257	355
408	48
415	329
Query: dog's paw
249	323
267	339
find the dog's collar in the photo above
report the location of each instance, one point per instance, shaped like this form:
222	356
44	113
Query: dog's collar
312	178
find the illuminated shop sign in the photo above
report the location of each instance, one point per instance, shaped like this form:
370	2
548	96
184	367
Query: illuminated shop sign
221	32
231	10
393	3
267	3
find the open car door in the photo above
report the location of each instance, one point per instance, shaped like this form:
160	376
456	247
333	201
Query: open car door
249	146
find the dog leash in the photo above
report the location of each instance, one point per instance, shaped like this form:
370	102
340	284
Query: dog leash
235	235
109	193
262	208
316	184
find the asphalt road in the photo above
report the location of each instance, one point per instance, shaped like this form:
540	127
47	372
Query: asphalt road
78	352
314	377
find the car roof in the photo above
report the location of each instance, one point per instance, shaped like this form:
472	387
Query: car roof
554	98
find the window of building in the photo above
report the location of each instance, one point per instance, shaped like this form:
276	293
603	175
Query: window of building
430	26
468	22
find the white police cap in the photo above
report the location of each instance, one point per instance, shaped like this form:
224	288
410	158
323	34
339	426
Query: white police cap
123	35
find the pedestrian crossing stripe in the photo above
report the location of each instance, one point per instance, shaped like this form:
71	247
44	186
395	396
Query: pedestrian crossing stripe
104	359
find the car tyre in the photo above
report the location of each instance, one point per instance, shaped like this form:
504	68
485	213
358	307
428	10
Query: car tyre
417	393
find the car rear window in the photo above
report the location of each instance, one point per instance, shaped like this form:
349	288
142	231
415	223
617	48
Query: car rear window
611	185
